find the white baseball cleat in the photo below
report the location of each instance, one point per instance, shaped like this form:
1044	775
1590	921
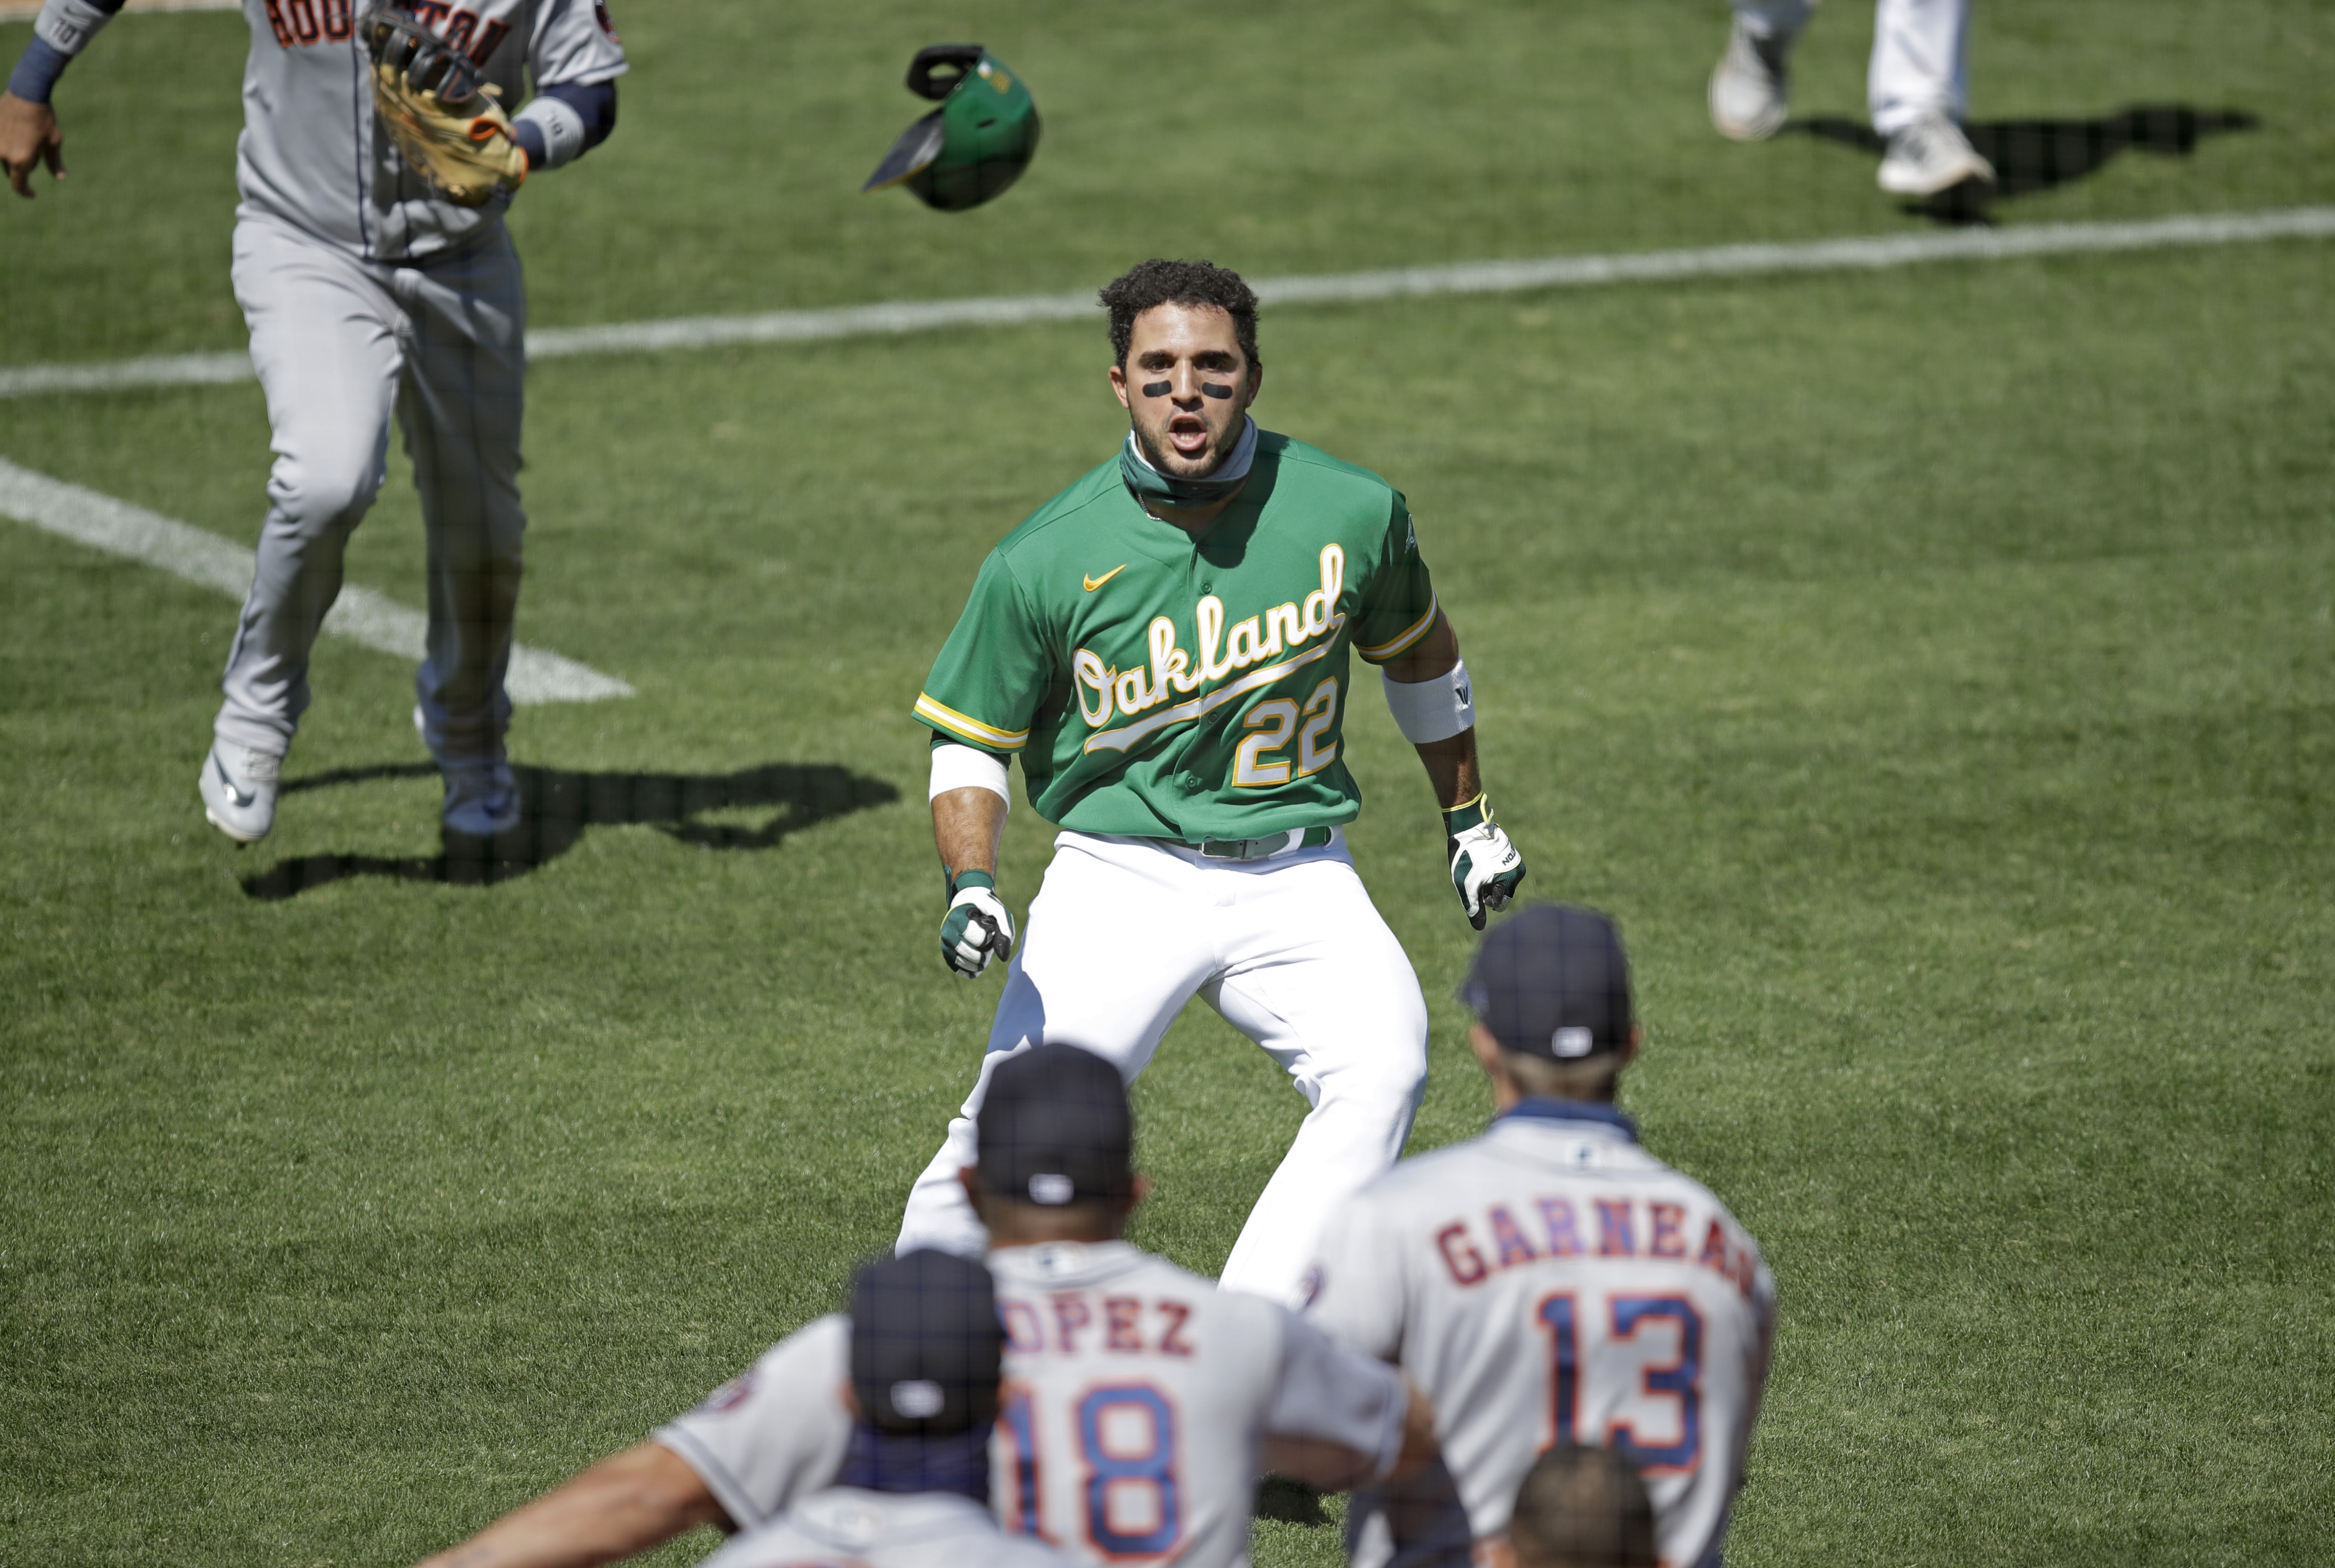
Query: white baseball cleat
238	790
481	798
1751	89
1930	156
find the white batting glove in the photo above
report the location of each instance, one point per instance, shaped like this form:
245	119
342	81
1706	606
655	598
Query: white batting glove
977	929
1486	868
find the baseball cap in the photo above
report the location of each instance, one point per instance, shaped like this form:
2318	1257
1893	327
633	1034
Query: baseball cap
1552	981
925	1344
1055	1128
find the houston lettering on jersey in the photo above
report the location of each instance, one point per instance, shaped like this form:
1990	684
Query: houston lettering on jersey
296	22
1105	691
1611	1228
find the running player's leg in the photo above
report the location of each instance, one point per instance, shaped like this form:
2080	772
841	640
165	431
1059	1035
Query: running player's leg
1750	90
1324	986
1918	68
1775	18
324	345
1117	942
460	413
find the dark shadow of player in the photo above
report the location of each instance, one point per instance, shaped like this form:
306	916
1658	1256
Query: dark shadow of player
555	807
2032	155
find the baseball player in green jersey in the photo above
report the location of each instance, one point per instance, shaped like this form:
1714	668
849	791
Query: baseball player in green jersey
1164	647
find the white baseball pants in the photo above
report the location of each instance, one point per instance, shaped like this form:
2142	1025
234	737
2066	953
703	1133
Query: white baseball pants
1918	67
1289	950
339	344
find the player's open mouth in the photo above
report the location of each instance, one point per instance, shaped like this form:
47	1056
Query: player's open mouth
1187	436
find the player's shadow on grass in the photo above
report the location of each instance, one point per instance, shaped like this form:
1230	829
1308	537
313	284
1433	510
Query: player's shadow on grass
2032	155
556	806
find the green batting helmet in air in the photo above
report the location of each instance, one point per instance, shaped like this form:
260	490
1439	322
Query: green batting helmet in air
975	144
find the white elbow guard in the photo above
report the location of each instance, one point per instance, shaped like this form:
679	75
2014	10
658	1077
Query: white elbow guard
68	25
968	768
1435	709
562	128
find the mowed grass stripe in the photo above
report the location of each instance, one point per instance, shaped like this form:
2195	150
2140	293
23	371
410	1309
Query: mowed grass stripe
1867	252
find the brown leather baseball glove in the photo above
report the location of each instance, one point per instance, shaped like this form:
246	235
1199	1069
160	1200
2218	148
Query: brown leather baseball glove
446	123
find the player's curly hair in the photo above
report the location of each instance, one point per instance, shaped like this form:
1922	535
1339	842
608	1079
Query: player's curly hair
1157	281
1583	1507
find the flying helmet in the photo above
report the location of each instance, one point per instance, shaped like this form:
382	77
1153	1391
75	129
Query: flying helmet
975	144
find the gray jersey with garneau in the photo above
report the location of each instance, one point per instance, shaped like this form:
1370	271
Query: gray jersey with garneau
845	1524
315	157
1136	1402
1552	1281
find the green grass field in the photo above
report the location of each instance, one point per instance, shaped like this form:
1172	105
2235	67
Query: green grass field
1934	669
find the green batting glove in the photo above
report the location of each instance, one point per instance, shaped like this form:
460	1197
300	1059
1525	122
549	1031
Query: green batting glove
1486	868
977	929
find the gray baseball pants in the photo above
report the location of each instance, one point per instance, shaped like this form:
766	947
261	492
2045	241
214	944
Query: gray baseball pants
339	344
1919	62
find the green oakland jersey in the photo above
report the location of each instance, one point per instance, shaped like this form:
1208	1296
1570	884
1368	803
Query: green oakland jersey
1166	687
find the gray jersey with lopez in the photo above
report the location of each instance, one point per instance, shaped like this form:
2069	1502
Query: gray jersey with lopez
1137	1400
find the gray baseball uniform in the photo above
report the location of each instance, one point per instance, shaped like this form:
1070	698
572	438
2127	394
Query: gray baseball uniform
1552	1281
886	1530
368	293
1137	1398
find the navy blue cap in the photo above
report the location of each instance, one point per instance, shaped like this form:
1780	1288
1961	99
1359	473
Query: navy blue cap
1552	981
1055	1128
926	1344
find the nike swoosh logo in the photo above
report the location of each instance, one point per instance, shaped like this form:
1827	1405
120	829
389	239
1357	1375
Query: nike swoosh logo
1094	582
239	798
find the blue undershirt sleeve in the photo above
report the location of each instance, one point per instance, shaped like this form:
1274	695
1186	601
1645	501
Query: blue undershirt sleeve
594	102
44	59
37	71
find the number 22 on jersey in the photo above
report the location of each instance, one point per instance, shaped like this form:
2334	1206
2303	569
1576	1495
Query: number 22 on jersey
1655	1343
1271	723
1131	1505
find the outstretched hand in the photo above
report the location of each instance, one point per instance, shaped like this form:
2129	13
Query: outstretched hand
29	136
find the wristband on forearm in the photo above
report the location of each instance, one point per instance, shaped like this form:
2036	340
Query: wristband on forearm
1432	710
559	131
62	30
564	122
68	25
956	767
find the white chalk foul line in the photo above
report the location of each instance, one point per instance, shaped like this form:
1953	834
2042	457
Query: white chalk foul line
359	615
1400	282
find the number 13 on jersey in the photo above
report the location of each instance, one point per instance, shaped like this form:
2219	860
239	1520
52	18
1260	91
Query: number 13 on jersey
1646	1360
